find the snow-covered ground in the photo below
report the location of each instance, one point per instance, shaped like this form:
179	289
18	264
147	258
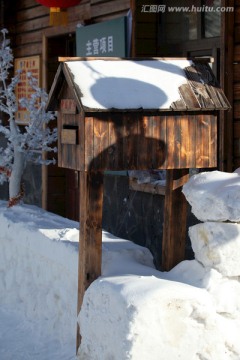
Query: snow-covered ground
132	311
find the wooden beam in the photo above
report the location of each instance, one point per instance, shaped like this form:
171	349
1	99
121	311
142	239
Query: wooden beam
90	240
92	58
180	181
146	187
133	37
175	221
225	153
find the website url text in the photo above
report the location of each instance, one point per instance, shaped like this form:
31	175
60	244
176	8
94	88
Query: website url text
193	8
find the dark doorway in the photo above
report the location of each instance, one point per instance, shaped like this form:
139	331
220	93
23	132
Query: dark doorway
62	184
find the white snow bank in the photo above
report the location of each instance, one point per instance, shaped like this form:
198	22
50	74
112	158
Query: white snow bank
161	317
155	319
214	196
38	267
217	245
131	312
38	278
190	313
25	339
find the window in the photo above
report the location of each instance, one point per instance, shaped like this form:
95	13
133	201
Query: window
212	20
189	28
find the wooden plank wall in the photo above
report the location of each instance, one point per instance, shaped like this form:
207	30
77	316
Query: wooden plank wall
136	141
236	86
29	21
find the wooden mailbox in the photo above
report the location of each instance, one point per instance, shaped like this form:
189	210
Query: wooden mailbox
116	114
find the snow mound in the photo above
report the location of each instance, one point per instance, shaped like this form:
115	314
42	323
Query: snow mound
217	246
214	196
158	318
131	312
38	270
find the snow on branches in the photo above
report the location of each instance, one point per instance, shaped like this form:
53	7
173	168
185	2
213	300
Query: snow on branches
23	143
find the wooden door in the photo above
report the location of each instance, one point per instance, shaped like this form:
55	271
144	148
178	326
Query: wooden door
62	184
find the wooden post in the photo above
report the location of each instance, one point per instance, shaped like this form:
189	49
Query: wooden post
226	145
133	39
90	240
175	220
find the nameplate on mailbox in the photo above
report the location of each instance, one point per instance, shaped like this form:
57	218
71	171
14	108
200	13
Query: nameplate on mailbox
68	106
69	136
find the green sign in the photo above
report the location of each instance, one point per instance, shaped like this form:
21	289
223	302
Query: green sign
107	38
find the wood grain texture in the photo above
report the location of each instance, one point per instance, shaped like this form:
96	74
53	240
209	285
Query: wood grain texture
90	240
137	141
69	136
198	88
188	97
185	149
174	226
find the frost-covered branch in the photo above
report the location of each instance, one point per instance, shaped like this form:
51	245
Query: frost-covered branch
26	143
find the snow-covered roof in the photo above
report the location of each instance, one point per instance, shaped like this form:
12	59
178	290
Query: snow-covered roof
128	84
150	84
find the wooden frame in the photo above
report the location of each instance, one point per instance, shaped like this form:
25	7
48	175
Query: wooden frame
49	33
227	60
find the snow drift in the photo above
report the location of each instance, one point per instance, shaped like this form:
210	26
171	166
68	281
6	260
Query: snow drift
132	311
38	267
214	196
